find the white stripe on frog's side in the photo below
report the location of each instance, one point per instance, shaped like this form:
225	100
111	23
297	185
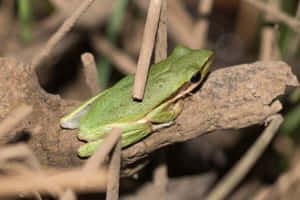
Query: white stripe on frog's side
163	125
154	127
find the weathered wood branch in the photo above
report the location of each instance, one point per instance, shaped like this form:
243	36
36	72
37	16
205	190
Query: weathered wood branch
230	98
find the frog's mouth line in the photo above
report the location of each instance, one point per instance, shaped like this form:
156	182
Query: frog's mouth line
188	87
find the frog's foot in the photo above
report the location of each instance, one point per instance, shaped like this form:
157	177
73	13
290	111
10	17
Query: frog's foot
166	112
131	134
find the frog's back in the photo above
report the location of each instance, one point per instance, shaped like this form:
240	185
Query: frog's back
117	103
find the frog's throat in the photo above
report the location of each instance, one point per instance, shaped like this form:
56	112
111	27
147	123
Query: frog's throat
185	91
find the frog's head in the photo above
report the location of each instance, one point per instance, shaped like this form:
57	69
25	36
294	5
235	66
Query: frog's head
194	64
203	61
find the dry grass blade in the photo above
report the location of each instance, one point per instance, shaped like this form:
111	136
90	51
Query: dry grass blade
20	151
14	118
114	173
90	72
181	23
269	40
160	177
17	152
146	49
205	7
291	21
235	175
103	150
65	28
50	181
160	173
122	61
161	38
201	27
68	195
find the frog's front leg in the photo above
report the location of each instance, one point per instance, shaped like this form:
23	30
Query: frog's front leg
131	133
166	112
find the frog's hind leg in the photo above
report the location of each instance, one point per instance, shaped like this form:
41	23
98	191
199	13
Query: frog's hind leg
166	112
131	133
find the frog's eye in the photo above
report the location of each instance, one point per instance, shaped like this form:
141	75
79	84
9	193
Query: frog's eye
196	78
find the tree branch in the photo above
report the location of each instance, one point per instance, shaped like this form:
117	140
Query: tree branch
230	98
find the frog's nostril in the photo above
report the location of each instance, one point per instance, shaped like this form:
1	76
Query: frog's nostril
196	77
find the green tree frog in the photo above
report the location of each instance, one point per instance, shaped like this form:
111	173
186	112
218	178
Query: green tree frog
168	82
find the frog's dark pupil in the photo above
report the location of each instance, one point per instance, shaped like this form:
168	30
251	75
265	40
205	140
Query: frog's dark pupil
196	77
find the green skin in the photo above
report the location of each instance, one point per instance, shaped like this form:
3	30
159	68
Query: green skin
115	107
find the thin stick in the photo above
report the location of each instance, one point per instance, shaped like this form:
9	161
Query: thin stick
180	22
103	150
160	177
122	61
161	39
160	174
68	195
291	21
20	151
65	28
113	183
90	71
201	28
75	179
14	118
268	40
238	172
294	39
146	49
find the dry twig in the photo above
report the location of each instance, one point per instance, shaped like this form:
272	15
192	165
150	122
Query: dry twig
161	173
68	195
287	185
99	156
20	151
14	118
122	61
112	192
201	27
269	45
146	49
161	38
61	32
238	172
160	176
291	21
90	72
50	181
181	24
